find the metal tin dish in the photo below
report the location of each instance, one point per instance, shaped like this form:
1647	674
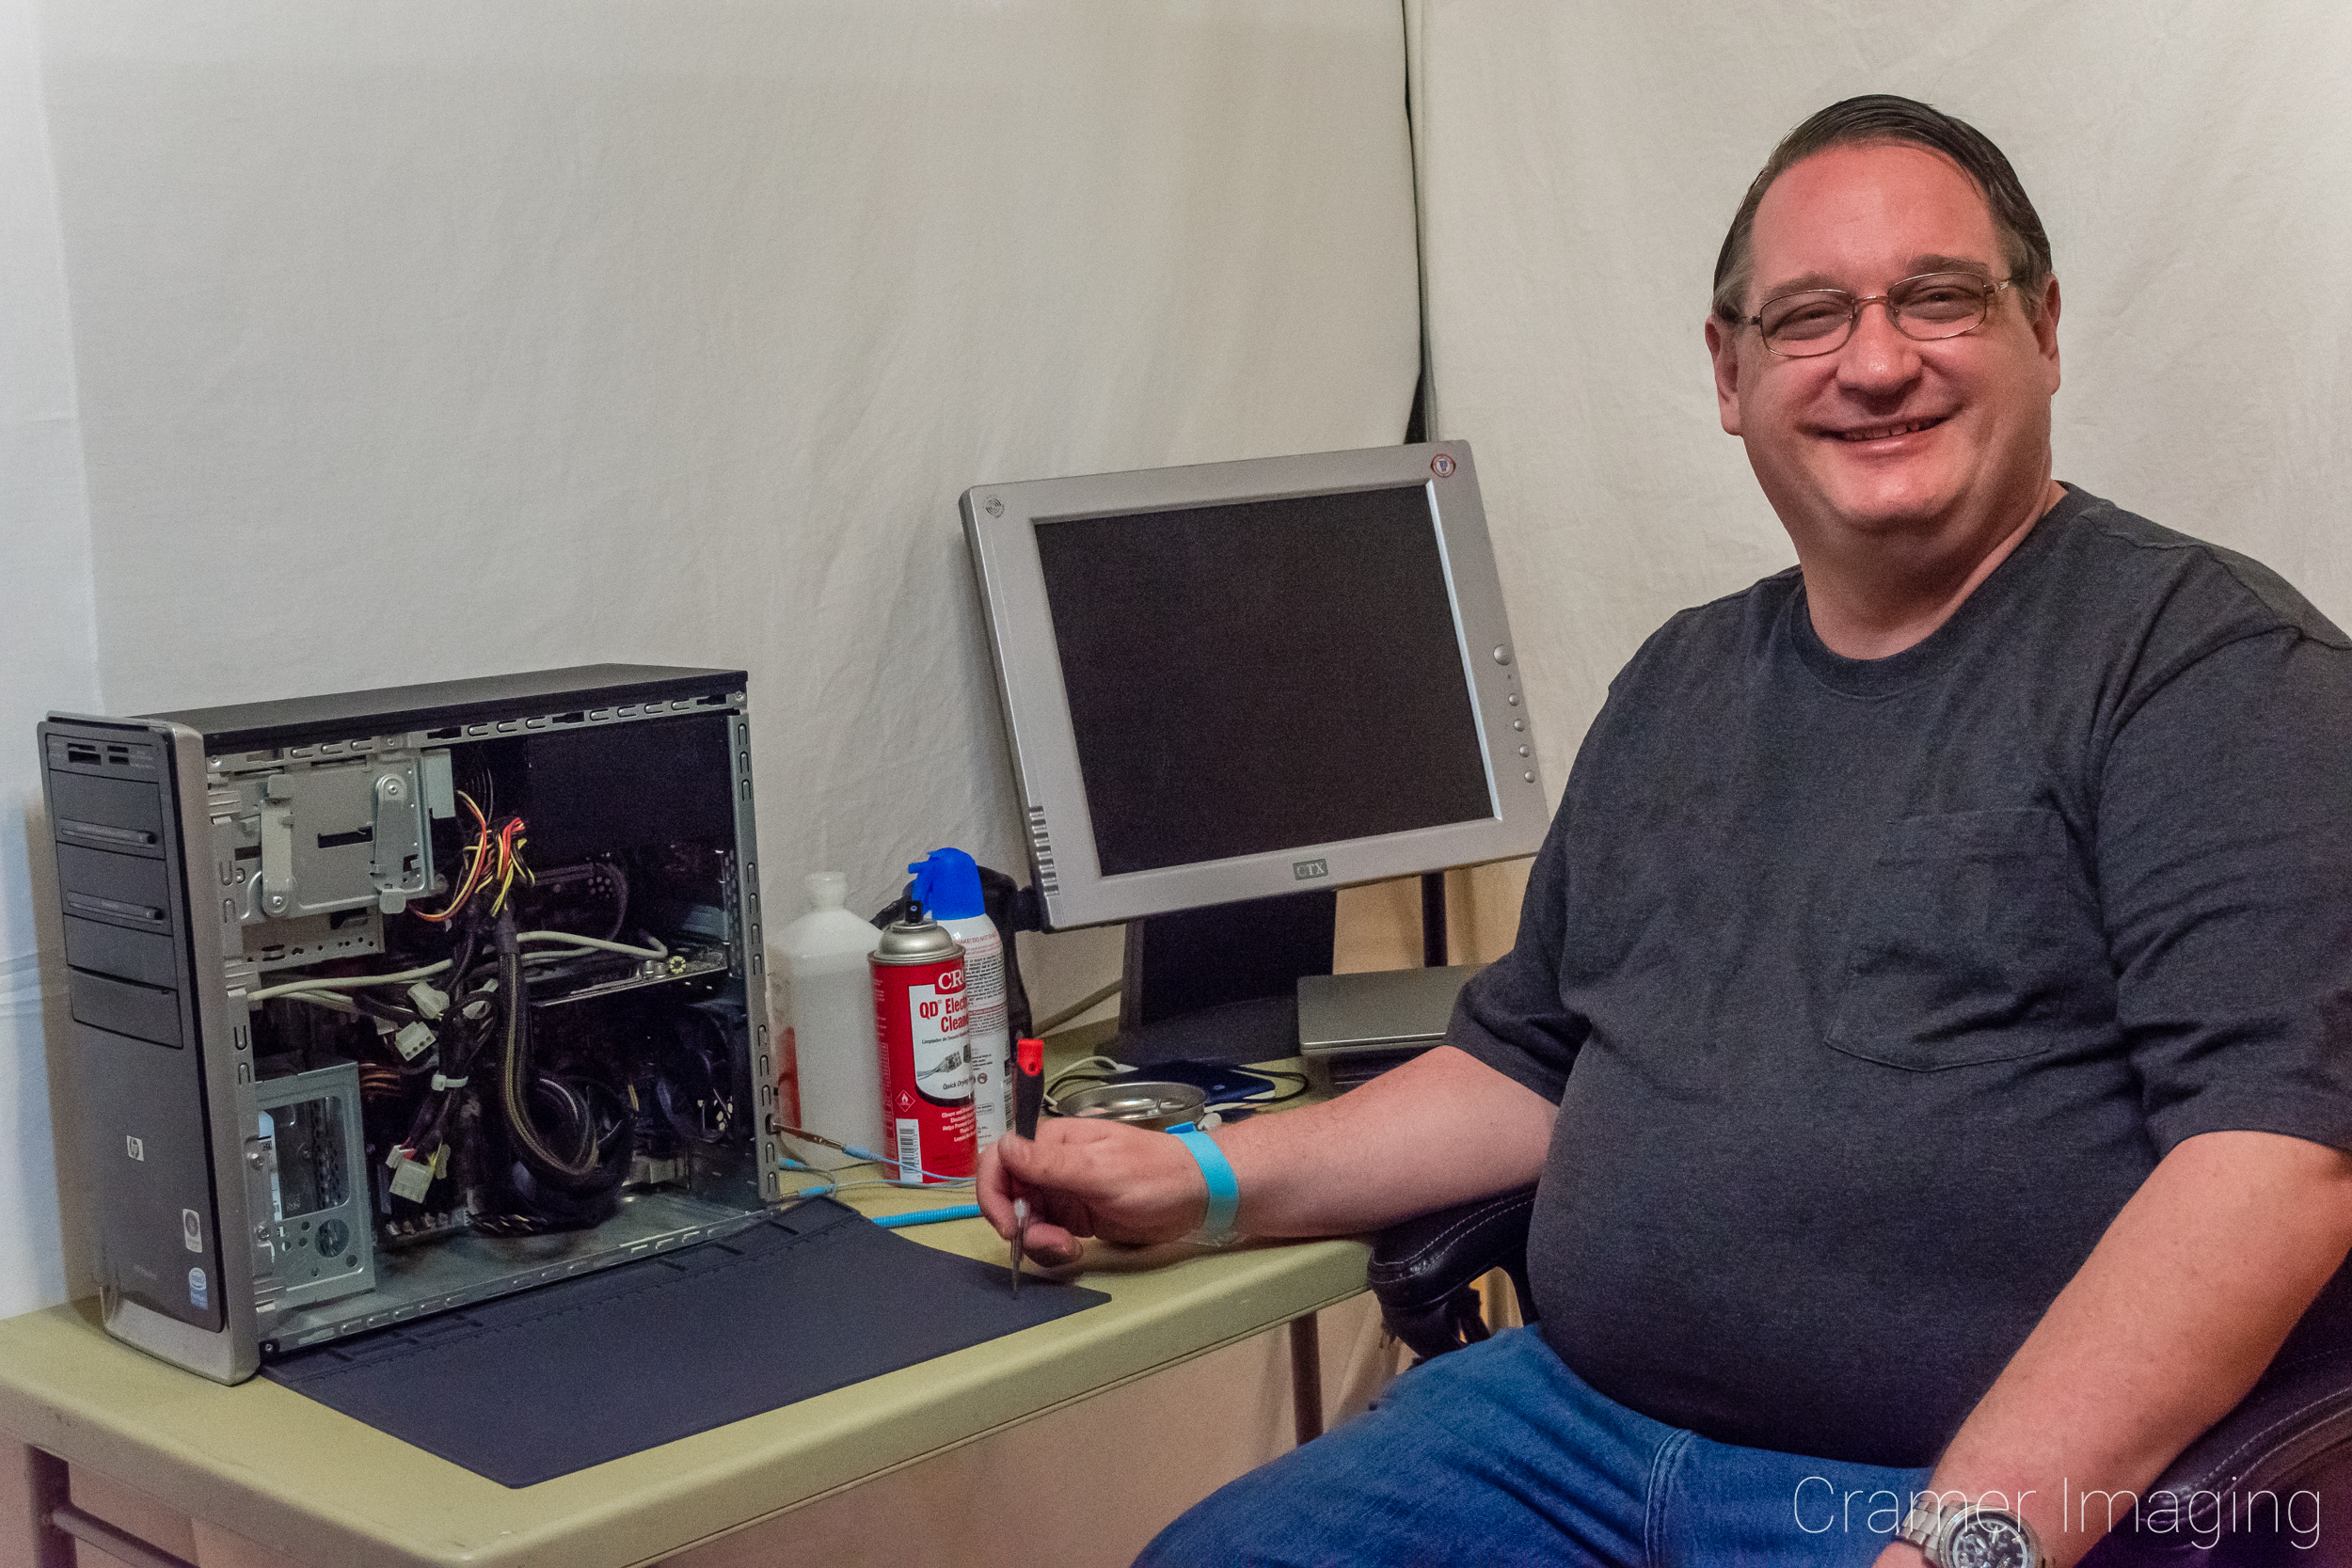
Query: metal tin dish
1157	1106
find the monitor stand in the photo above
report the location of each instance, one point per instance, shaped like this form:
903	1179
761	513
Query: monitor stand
1221	984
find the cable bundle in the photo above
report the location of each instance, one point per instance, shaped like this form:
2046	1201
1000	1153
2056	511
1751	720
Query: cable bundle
490	858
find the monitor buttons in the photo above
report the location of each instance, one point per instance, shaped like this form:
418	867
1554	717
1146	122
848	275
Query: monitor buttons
1518	724
1502	653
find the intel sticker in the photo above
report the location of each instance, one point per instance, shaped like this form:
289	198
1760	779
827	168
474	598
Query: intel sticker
196	1294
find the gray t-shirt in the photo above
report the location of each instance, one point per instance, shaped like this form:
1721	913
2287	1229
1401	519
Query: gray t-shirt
1870	989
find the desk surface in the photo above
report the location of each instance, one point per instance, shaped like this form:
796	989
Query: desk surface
294	1476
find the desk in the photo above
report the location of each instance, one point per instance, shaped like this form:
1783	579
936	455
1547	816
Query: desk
297	1478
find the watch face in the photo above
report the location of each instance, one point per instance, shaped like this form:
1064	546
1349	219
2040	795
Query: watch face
1989	1539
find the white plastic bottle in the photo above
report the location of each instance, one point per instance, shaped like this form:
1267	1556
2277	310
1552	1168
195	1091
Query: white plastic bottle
947	883
826	996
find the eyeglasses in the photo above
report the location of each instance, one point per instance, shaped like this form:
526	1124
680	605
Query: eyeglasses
1931	305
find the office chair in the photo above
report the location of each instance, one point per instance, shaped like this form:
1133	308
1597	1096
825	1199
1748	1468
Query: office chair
2292	1433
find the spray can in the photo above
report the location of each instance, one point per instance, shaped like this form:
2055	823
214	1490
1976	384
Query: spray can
922	1030
947	883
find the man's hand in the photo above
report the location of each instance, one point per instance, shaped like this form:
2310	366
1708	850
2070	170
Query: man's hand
1442	1129
1092	1179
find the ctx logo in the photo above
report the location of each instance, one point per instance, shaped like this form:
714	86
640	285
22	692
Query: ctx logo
1308	871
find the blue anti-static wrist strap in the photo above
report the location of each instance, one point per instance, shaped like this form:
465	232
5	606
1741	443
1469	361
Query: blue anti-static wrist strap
1224	1191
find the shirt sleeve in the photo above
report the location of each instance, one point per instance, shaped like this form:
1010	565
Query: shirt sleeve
2224	855
1510	1015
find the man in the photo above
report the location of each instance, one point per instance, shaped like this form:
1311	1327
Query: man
1926	1015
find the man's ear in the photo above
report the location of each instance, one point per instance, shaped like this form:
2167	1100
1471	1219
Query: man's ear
1722	346
2045	330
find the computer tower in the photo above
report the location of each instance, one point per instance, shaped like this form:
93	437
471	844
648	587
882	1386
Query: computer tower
393	1001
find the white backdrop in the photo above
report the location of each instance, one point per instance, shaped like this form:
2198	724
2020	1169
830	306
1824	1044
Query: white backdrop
437	338
430	339
48	657
1580	162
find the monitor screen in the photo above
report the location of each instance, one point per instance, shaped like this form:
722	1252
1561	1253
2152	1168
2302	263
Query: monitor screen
1249	677
1241	679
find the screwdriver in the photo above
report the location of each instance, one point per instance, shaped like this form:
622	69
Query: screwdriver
1028	1096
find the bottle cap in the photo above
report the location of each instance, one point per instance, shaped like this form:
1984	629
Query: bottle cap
947	883
827	889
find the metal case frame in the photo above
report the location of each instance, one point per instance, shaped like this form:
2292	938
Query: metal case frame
215	974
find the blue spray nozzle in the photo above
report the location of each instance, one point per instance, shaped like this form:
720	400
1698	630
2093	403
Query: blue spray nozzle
947	884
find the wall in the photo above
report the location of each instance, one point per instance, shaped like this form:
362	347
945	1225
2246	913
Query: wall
439	340
1580	161
48	658
410	342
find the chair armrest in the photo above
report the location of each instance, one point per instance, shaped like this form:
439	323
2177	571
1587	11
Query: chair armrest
1422	1270
2292	1431
2299	1411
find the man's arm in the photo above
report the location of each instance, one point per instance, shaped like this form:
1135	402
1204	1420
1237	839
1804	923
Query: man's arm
2168	1323
1442	1129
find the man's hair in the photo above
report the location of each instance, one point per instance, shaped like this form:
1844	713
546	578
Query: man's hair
1876	119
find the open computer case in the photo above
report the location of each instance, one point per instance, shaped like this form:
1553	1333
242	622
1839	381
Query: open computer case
393	1001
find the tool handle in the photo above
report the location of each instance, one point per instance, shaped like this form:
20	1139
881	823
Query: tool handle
1028	1087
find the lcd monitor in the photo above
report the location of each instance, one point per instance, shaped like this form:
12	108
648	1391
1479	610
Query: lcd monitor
1235	680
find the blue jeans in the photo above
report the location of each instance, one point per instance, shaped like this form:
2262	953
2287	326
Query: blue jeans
1498	1455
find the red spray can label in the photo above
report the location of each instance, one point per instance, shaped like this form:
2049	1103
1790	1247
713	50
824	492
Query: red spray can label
921	1028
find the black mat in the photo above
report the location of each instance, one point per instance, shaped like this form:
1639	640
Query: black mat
535	1386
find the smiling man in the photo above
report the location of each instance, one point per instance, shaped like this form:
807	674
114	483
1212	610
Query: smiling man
1927	1019
1906	452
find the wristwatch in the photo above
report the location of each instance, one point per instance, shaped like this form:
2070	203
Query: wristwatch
1973	1535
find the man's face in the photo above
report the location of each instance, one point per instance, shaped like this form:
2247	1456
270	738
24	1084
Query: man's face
1930	446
